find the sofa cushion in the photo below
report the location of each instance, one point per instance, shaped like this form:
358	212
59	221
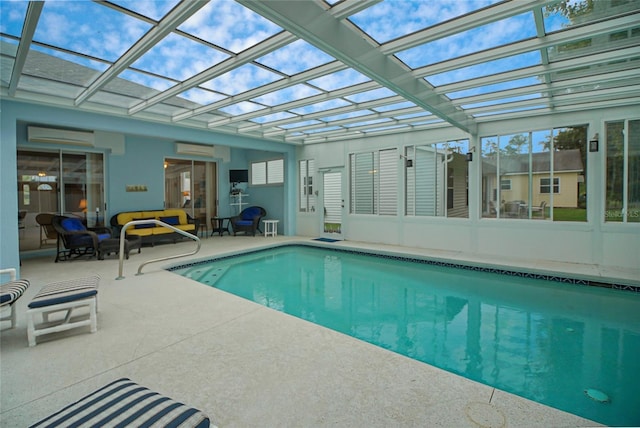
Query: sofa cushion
140	232
146	225
124	218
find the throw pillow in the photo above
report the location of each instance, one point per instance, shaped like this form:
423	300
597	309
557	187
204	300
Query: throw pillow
72	225
171	220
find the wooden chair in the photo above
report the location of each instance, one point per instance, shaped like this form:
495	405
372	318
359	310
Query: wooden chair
47	231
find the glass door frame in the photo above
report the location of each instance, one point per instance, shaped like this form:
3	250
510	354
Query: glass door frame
61	183
197	200
335	208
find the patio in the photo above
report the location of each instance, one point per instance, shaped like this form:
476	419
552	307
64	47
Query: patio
241	363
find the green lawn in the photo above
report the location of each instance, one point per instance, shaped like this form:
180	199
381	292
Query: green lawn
332	227
569	214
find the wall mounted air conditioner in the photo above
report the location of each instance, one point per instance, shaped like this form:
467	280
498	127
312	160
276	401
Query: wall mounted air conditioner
36	134
194	149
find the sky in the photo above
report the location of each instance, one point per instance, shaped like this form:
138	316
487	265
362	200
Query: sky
223	29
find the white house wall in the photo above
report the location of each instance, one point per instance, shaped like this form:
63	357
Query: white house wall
591	242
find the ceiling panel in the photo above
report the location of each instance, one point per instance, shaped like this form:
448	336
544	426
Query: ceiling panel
316	71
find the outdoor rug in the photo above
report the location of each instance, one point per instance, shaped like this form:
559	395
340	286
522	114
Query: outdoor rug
326	240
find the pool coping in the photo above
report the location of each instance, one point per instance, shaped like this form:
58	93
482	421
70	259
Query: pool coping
508	270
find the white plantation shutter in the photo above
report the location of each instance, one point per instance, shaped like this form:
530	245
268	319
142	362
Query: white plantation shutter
388	178
363	183
333	197
258	173
275	171
374	182
269	172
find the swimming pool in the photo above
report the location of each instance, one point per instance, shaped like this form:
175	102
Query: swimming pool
568	346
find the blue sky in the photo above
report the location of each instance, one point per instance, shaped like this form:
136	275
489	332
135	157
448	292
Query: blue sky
103	33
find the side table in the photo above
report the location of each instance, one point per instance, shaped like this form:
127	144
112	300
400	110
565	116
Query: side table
270	227
112	245
218	225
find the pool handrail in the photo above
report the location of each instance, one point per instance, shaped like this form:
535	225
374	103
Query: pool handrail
159	223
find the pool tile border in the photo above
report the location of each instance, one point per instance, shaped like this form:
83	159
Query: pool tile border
449	264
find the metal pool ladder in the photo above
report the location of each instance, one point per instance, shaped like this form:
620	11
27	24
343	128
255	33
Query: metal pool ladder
159	223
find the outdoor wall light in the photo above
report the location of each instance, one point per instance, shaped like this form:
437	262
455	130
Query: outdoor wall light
593	143
470	154
408	163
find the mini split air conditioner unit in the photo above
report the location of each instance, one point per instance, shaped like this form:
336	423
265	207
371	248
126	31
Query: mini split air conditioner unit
194	149
37	134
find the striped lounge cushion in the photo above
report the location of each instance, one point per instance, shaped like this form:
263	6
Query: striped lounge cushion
124	403
11	291
66	291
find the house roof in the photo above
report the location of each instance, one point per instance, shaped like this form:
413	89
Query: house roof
563	161
314	71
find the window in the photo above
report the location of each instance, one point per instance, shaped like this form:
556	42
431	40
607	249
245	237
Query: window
307	197
545	185
374	182
521	175
623	171
436	179
267	172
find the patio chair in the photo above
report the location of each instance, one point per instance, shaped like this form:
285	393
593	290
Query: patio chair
248	221
76	238
47	231
10	292
540	210
126	403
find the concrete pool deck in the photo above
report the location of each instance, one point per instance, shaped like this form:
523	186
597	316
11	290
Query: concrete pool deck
241	363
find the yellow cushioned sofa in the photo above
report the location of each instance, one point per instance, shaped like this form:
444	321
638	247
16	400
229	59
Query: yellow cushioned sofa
151	232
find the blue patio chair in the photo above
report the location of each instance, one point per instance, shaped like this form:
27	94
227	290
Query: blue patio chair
248	221
77	239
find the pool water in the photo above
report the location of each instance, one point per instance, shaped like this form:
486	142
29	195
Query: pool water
572	347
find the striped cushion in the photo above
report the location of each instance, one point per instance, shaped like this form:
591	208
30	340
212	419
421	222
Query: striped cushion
11	291
66	291
124	403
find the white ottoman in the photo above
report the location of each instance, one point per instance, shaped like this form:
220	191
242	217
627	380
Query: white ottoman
63	296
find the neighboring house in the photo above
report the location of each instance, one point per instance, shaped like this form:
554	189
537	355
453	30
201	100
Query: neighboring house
522	172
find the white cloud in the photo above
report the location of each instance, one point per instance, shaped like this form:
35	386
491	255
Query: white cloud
291	93
295	58
392	19
229	25
241	79
88	28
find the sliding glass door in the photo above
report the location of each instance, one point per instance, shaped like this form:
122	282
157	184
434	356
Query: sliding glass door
57	182
191	185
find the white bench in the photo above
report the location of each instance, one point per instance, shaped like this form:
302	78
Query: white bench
63	296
